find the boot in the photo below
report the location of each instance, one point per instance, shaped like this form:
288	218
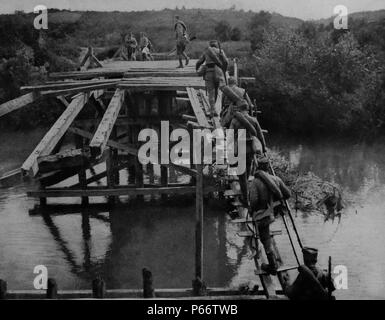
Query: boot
272	267
187	60
180	63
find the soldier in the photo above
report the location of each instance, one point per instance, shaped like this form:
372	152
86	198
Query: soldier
214	71
131	45
265	190
181	41
235	115
145	47
311	283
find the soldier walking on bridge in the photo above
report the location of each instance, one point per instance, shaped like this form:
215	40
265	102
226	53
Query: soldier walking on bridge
181	40
213	71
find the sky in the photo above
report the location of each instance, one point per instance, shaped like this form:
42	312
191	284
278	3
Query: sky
303	9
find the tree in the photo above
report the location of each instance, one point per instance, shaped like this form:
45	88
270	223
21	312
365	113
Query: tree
236	34
258	23
223	30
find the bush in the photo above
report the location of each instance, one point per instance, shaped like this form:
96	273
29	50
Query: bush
223	31
236	34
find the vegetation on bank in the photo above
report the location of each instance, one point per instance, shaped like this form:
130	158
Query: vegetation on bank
311	79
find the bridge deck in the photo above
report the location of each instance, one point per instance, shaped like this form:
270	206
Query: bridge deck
131	69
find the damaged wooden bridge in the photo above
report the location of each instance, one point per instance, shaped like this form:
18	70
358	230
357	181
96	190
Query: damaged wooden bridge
104	109
92	148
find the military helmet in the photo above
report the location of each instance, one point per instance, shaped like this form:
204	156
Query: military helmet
213	43
310	255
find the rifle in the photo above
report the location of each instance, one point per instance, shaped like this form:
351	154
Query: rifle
224	63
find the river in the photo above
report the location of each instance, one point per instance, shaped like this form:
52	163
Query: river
75	244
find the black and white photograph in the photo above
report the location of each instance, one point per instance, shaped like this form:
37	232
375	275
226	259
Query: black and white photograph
214	152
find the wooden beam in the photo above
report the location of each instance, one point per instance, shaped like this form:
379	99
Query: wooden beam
17	103
53	136
105	192
79	89
100	139
62	85
197	108
65	159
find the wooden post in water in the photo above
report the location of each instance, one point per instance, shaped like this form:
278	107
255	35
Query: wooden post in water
79	141
110	173
98	288
51	289
164	179
3	289
198	285
148	290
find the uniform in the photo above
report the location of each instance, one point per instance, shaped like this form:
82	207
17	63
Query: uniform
264	190
213	75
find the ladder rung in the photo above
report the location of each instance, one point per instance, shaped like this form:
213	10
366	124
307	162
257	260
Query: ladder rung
232	193
251	234
281	269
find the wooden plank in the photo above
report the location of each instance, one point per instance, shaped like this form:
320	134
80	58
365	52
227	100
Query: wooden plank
197	108
65	159
104	192
218	109
79	89
17	103
66	85
205	101
53	136
99	141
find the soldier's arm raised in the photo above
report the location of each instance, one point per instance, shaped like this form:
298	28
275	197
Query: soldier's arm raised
200	61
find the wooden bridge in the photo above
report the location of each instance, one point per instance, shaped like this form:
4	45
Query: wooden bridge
104	110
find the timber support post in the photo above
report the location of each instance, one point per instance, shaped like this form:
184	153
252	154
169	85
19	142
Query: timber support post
164	179
98	288
3	289
148	290
51	289
110	174
79	141
198	285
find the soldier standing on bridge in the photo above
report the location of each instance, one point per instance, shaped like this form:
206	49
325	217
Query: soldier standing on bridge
131	45
181	41
213	71
145	47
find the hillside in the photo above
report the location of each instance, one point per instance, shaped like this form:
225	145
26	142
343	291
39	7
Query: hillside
366	16
102	29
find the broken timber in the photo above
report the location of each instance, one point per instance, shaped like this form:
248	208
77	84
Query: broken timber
48	143
99	141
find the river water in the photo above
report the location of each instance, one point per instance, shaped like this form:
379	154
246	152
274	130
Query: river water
76	244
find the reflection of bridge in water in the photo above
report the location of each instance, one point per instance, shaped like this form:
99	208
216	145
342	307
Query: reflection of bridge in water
158	237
